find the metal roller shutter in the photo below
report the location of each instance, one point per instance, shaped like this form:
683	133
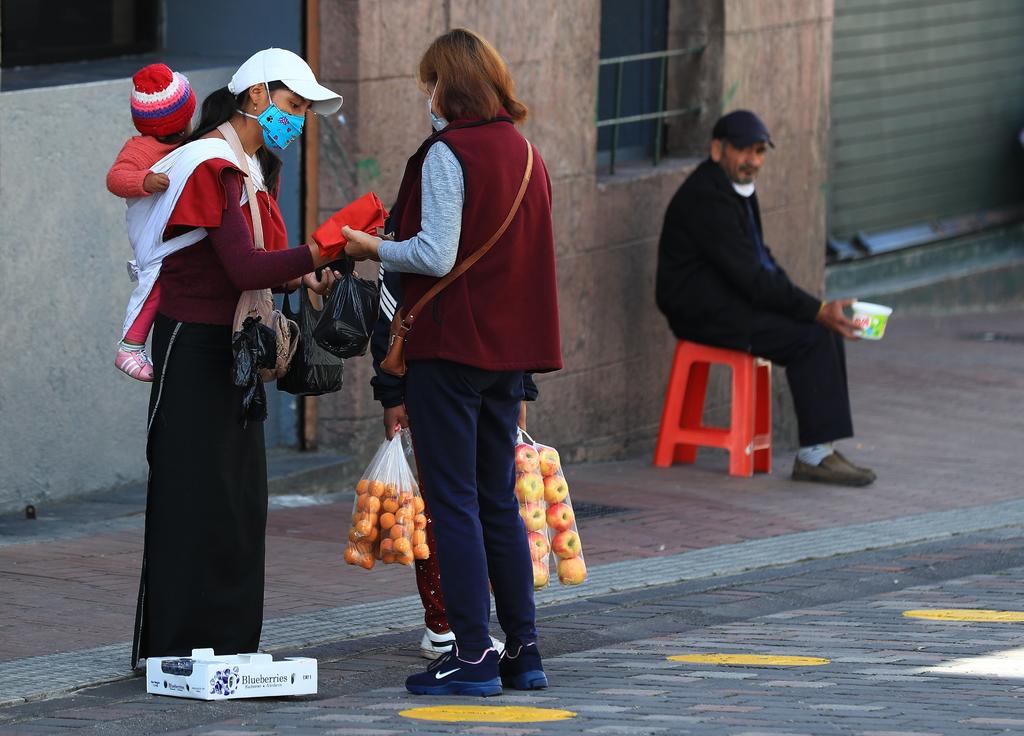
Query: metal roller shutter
927	102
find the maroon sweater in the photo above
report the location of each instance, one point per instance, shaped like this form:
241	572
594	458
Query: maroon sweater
202	283
502	314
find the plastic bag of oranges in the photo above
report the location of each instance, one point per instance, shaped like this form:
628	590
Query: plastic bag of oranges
388	520
547	512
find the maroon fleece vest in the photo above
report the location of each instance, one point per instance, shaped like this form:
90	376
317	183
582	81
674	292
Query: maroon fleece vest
502	314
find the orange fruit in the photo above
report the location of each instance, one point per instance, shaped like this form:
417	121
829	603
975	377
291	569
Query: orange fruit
387	546
390	490
363	528
352	536
420	521
363	486
418	505
421	552
374	534
405	499
405	559
419	537
361	502
390	505
388	558
376	488
352	555
403	546
367	562
397	531
372	518
372	504
387	521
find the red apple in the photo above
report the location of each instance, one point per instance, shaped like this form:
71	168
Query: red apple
541	574
549	462
529	487
555	489
539	546
560	517
533	516
526	458
567	544
572	571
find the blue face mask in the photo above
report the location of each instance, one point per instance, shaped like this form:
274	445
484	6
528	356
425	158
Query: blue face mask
279	128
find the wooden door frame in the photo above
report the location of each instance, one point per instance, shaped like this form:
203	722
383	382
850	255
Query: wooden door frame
311	198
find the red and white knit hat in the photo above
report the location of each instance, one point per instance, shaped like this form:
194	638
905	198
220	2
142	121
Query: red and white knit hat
162	101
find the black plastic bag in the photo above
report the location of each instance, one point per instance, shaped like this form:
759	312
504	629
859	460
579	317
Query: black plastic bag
349	315
254	347
313	371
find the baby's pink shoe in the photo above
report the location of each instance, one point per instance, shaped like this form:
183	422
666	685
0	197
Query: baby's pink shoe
135	363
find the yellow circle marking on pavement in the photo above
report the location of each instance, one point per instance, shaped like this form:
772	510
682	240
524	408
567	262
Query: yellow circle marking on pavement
966	614
487	714
757	660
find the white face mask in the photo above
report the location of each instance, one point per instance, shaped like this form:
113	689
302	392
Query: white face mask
744	190
436	121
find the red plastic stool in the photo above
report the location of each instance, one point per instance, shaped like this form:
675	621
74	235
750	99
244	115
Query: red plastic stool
749	436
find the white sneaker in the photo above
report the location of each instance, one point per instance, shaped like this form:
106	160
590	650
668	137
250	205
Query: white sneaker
433	645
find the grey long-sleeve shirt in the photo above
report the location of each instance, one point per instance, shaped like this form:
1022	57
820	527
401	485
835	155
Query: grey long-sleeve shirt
432	251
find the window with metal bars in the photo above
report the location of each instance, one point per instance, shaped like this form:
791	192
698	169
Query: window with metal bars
633	72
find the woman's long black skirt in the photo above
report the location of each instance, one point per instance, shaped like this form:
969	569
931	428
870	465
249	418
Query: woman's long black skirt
206	510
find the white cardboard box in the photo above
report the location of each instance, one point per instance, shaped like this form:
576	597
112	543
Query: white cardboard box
209	676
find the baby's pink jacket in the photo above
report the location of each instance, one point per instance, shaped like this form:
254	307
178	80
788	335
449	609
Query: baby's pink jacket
132	165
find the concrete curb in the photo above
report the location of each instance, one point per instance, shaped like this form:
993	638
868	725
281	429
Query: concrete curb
33	678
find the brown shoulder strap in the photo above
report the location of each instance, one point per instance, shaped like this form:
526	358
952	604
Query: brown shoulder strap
231	137
479	252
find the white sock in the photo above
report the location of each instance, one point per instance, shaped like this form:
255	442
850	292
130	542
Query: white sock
814	454
130	347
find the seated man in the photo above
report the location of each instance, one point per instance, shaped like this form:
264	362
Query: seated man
718	284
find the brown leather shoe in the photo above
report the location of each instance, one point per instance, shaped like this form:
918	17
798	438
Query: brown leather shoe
866	471
832	470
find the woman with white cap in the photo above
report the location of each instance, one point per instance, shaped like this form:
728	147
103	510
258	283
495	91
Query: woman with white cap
206	510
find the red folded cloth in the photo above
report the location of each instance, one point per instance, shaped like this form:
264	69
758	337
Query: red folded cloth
367	214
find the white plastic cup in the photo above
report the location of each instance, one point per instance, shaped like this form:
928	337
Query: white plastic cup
870	319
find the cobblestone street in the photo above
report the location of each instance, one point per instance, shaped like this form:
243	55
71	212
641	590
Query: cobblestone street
875	671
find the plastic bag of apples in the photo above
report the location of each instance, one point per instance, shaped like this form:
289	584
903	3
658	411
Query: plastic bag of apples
388	520
547	513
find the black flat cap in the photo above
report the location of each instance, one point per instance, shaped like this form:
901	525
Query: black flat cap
741	128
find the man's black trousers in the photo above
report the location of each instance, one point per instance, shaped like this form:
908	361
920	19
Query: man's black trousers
815	362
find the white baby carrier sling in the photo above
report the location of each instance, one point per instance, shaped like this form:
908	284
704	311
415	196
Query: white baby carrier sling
147	218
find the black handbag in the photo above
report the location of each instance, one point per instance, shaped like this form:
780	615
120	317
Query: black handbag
313	371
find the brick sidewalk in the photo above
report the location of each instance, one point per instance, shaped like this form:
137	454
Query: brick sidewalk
936	417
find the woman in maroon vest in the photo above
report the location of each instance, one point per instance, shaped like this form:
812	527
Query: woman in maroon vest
469	349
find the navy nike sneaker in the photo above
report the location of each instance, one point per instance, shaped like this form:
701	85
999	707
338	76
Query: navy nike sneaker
520	667
452	675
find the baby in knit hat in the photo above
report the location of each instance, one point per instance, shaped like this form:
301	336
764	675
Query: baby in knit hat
162	105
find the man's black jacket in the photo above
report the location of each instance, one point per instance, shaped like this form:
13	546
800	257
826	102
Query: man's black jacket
710	278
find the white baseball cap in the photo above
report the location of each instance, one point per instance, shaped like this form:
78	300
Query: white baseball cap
273	65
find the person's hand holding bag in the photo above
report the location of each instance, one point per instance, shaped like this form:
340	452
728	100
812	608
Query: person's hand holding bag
321	284
365	215
361	246
395	420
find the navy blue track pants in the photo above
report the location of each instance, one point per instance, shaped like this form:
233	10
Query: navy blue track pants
463	421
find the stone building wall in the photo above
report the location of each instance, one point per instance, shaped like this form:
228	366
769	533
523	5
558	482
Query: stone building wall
773	57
